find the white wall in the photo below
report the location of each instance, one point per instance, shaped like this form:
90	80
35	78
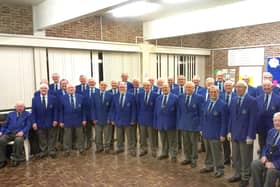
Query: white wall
17	76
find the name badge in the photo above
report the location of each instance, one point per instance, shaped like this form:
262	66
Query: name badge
194	106
128	104
244	111
215	113
273	108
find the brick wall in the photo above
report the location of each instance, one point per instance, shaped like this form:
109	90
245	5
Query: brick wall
16	19
94	28
238	37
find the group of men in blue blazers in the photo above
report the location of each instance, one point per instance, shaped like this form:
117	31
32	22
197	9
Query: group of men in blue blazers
225	116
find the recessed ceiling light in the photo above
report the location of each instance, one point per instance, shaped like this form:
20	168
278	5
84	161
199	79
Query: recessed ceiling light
134	9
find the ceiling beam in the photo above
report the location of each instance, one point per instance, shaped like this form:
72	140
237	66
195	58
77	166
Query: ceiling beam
244	13
53	12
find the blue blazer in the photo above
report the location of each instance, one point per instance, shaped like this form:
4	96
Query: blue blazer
176	90
52	89
69	116
126	114
214	123
165	118
132	91
14	125
154	88
102	109
79	89
200	90
203	94
233	97
265	122
223	83
271	150
129	85
252	91
111	91
44	118
243	123
259	90
188	116
146	110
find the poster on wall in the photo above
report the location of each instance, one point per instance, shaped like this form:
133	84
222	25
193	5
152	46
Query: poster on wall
253	73
273	66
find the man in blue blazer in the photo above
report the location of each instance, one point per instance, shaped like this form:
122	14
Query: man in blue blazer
146	105
220	81
198	89
43	81
59	95
252	91
165	122
172	84
89	107
55	86
160	82
268	104
214	131
123	116
124	77
72	118
100	117
188	122
267	76
83	87
154	88
45	120
242	132
15	129
114	90
180	89
266	170
228	97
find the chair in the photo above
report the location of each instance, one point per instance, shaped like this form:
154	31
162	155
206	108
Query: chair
26	146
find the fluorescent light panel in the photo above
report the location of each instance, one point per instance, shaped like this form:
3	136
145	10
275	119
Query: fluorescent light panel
176	1
134	9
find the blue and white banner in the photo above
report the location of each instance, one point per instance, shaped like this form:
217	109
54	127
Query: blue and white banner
273	66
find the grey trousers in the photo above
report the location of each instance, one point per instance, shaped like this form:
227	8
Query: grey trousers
103	136
47	140
242	156
190	140
169	142
17	147
67	138
129	131
88	133
214	154
145	132
263	177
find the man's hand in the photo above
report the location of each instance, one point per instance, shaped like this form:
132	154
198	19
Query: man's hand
269	165
222	139
249	141
84	123
20	134
108	122
34	126
113	123
263	159
1	133
94	122
55	123
61	125
132	123
229	136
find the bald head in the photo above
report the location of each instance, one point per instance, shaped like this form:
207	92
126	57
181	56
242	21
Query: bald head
20	106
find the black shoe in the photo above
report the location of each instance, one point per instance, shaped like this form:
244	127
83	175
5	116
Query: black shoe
234	179
99	151
66	154
206	170
174	159
53	155
118	151
161	157
219	174
154	154
244	183
42	155
82	152
3	164
107	151
193	165
227	162
186	162
133	153
15	163
201	150
142	153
